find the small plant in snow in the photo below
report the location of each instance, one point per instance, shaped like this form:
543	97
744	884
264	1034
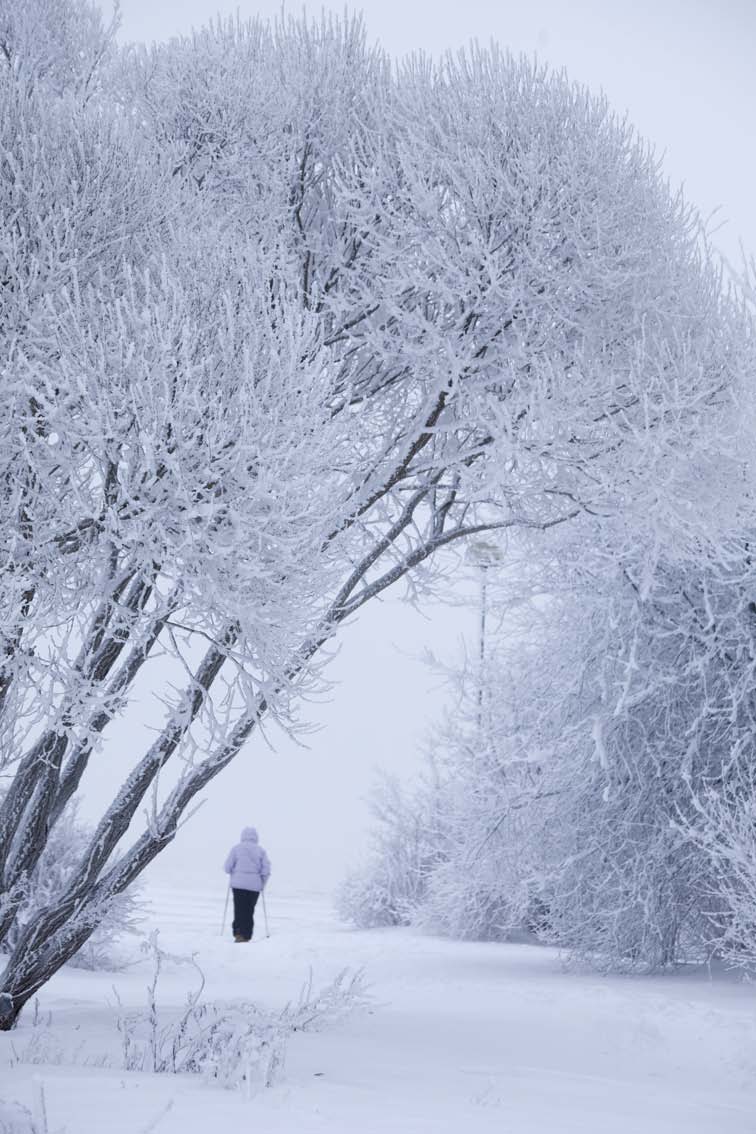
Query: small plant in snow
17	1119
235	1044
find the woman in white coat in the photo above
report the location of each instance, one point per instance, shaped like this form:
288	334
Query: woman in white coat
249	868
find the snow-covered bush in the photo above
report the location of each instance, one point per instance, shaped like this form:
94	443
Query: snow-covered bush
472	813
661	718
724	829
121	916
236	1044
484	884
406	834
423	870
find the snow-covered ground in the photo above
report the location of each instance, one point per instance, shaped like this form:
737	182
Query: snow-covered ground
461	1037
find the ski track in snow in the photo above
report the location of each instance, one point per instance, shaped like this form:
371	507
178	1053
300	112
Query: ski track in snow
462	1037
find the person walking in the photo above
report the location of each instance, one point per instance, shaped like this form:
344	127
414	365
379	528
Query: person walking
249	868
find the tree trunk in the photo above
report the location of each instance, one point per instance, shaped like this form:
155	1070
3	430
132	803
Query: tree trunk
10	1009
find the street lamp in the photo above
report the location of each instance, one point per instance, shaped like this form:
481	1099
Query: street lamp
483	554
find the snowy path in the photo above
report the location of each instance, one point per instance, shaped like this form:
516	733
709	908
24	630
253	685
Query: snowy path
463	1038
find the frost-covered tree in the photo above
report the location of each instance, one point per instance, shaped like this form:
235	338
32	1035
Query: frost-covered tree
662	718
723	826
278	322
601	789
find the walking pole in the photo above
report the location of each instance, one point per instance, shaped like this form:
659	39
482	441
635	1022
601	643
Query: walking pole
225	910
265	915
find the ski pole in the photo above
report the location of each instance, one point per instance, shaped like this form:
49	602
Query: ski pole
265	915
225	911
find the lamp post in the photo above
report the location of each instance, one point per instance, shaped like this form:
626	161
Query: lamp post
483	555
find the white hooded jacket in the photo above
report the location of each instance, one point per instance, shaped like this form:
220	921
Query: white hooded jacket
247	863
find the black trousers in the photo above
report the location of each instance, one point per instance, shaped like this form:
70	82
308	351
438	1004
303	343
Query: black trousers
244	912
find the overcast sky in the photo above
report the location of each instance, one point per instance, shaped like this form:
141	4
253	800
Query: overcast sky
683	71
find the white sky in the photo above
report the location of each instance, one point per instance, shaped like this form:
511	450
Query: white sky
684	72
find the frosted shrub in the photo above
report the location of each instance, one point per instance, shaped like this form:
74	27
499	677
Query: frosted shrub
118	917
475	908
232	1043
365	900
391	883
725	832
484	885
662	718
457	852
